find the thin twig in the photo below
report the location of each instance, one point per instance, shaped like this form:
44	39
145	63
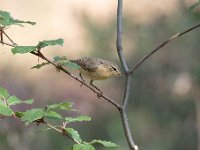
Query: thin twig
2	42
8	37
141	61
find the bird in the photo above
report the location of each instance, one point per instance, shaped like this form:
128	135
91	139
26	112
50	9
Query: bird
96	69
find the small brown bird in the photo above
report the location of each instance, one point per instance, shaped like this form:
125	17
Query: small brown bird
97	69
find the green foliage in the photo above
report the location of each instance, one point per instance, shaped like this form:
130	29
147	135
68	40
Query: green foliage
4	110
62	106
43	44
39	46
89	146
6	20
77	119
13	100
74	134
84	146
6	101
41	115
38	66
63	61
23	49
53	115
104	143
32	115
3	93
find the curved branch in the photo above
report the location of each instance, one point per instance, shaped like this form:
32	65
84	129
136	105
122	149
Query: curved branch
177	35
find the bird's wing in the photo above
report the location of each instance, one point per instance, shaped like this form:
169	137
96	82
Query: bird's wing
87	63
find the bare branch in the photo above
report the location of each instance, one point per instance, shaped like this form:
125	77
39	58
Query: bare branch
122	111
126	127
119	36
127	91
141	61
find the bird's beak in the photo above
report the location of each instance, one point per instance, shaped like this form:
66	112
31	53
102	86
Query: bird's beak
120	74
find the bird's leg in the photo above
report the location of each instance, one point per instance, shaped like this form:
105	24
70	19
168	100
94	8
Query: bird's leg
81	79
91	83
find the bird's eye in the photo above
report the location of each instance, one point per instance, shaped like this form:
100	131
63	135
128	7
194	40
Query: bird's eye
113	68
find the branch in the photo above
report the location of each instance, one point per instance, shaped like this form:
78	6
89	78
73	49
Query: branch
119	36
62	132
127	131
122	111
141	61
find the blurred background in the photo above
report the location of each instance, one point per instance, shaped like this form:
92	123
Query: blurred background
164	105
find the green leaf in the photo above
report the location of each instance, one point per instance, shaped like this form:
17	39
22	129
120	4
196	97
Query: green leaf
13	100
58	58
23	49
33	115
4	110
43	44
6	20
69	64
74	134
3	93
63	106
104	143
63	61
77	119
38	66
82	147
19	114
52	115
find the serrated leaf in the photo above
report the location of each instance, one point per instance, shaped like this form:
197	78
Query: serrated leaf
3	93
104	143
45	43
63	106
77	119
4	110
58	58
33	115
82	147
23	49
63	61
6	20
38	66
69	64
13	100
52	115
74	134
